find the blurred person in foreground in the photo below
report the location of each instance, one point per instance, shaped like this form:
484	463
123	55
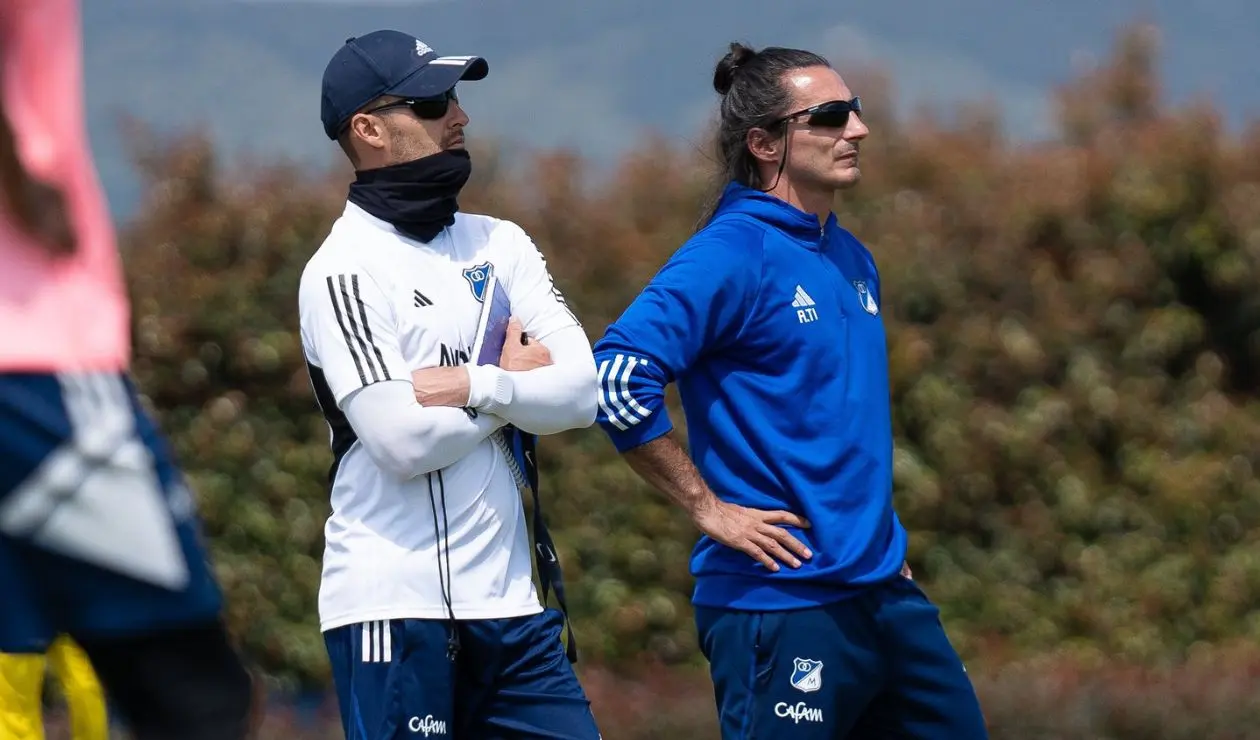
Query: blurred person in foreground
768	318
427	604
98	535
22	691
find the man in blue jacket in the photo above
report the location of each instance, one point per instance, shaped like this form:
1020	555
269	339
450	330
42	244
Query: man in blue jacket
769	320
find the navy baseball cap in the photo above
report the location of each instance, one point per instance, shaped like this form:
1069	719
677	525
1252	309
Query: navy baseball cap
388	63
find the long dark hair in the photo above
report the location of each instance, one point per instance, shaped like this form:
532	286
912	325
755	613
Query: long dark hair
753	94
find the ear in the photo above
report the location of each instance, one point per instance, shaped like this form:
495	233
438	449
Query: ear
368	129
764	145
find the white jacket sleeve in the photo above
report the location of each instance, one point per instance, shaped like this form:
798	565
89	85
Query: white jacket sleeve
407	439
350	340
545	400
550	399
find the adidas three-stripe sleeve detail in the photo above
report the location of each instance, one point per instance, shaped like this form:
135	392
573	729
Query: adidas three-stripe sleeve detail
347	304
618	406
347	331
696	303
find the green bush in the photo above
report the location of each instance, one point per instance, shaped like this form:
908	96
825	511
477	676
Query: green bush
1074	353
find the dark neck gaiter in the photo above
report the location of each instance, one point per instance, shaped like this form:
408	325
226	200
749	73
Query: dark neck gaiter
419	198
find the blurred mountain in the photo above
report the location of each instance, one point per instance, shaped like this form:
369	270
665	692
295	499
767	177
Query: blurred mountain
594	76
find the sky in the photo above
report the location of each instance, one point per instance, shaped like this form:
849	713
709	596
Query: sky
595	76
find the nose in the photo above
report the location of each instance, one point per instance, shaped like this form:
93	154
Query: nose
855	129
457	116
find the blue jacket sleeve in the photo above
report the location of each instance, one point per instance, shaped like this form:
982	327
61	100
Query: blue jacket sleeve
697	303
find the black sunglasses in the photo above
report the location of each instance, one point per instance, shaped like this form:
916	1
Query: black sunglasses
832	114
429	109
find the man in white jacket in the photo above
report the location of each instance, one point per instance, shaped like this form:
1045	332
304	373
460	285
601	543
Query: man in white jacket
430	615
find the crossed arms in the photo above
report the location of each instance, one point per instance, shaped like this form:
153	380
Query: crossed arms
413	421
413	428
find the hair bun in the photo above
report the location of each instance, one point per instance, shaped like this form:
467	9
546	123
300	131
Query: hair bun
724	73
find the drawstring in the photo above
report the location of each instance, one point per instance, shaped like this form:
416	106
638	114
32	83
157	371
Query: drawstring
452	642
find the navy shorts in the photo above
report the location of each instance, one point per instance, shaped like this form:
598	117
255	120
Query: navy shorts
98	533
509	679
873	666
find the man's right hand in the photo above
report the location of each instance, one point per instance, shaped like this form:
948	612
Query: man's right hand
520	352
754	532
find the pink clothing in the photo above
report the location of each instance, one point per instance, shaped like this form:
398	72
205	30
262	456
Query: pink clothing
56	314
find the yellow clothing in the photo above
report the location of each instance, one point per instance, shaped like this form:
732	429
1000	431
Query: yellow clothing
21	686
21	691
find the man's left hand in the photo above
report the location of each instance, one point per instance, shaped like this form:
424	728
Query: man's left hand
441	386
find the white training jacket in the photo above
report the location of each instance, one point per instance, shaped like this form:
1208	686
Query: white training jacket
413	485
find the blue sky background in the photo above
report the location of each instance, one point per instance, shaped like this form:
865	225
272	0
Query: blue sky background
595	76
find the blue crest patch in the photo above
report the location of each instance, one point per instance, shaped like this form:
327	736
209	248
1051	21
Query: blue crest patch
806	675
866	298
477	275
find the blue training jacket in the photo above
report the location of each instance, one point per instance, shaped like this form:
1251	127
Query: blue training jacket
770	325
